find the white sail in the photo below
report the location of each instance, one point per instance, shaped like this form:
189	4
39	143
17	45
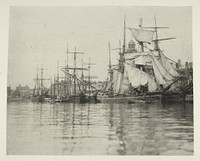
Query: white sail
152	86
137	78
161	74
142	35
125	83
165	63
117	79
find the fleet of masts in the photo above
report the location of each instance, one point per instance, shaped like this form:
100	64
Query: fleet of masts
74	83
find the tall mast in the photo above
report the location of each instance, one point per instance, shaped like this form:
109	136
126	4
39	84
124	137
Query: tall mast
37	83
65	82
110	65
120	48
75	72
156	31
58	90
54	84
124	45
51	88
75	68
67	71
121	60
82	76
157	40
42	79
89	76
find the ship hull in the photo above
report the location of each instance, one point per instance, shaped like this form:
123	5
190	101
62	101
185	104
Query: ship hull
78	99
130	99
176	97
38	99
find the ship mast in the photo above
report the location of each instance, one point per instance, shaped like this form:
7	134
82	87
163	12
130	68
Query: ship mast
37	81
54	83
58	86
124	45
110	65
42	79
51	89
121	60
82	76
75	68
157	40
89	76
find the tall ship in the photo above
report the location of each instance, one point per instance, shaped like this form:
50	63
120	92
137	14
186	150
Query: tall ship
144	73
74	86
40	92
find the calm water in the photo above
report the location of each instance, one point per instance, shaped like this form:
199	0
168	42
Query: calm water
108	129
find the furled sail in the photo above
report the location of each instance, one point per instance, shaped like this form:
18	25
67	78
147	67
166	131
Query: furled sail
142	35
137	78
165	63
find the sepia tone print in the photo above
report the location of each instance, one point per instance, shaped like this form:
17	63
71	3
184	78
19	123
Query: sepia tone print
100	81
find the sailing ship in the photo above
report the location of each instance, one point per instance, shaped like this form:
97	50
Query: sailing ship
73	86
142	73
40	92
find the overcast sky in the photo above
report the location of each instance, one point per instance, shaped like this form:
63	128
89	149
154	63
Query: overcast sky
39	35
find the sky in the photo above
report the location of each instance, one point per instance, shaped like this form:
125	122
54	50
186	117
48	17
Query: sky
39	36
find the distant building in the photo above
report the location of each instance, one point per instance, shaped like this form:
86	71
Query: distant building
9	91
24	91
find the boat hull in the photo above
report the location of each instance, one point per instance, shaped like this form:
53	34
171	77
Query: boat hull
173	97
130	99
38	99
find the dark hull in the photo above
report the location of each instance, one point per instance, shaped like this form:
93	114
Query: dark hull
38	99
78	99
173	97
148	98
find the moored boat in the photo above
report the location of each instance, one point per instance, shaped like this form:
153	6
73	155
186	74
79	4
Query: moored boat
142	72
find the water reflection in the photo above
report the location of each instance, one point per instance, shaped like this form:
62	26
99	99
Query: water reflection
113	129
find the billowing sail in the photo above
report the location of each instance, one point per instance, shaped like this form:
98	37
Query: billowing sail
137	78
142	35
117	79
165	63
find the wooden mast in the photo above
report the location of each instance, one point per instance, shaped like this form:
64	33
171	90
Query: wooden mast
42	79
54	84
67	71
157	40
75	68
89	76
124	48
37	81
58	86
51	89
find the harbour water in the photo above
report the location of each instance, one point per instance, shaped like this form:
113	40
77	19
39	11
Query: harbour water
99	129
